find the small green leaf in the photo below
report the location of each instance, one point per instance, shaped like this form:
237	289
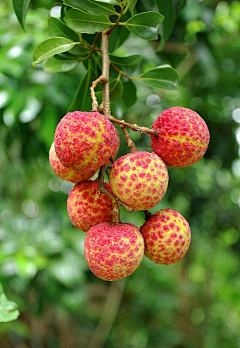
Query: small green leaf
166	28
145	25
129	98
130	60
8	309
50	47
163	76
84	23
54	65
21	8
113	2
82	100
132	4
57	28
91	7
129	95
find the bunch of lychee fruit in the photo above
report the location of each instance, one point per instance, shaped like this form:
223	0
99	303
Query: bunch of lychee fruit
86	141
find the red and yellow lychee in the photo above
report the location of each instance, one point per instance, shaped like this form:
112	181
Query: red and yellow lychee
113	251
139	179
65	173
86	207
84	140
182	137
167	236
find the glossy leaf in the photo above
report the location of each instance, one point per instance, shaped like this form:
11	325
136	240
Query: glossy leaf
113	2
163	76
91	7
145	25
130	60
54	65
82	100
132	4
129	95
50	47
8	309
166	28
21	8
129	98
84	23
57	28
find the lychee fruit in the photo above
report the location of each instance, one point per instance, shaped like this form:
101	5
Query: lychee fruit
65	173
167	236
139	179
113	251
86	207
116	146
84	140
182	137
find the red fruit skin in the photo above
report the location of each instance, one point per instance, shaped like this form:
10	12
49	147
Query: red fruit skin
167	236
182	137
139	179
86	207
65	173
84	140
113	251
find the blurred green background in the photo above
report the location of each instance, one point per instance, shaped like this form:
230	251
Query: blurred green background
195	303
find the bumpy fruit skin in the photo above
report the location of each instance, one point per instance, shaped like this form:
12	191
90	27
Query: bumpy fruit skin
67	173
113	251
182	137
86	207
116	145
84	140
167	236
139	179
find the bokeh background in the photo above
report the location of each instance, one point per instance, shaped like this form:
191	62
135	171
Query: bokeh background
192	304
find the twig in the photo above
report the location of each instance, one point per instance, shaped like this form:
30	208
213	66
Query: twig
120	71
116	202
134	127
104	78
147	214
130	143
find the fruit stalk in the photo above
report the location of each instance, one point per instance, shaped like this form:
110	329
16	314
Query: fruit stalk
116	202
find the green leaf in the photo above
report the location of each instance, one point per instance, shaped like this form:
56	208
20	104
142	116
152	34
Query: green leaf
129	98
132	4
115	89
118	36
91	7
84	23
54	65
113	2
130	60
21	8
130	94
163	76
8	309
145	25
57	28
166	28
50	47
82	100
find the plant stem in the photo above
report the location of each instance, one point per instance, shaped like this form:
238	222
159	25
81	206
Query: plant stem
115	200
130	143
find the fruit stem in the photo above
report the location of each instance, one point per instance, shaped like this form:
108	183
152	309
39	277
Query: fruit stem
115	200
147	214
130	143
